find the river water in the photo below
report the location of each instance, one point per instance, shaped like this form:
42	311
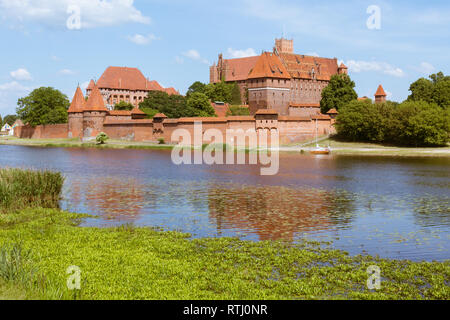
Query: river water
388	206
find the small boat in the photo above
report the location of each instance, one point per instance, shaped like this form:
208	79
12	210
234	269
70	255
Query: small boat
318	149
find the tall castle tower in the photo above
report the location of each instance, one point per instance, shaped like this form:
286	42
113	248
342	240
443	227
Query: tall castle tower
380	95
94	114
284	45
76	114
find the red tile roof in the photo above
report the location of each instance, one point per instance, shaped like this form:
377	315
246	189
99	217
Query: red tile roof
301	66
380	92
78	103
239	69
137	111
120	113
95	101
333	111
266	111
128	79
293	118
320	117
159	115
171	91
269	66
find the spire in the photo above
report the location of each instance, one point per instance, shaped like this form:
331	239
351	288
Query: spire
380	92
78	103
95	101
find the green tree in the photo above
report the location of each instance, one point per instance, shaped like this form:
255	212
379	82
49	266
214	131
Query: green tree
122	105
338	93
173	106
236	94
436	90
102	138
43	106
9	119
199	105
196	87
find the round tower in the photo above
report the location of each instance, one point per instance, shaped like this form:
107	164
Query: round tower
76	115
380	95
94	115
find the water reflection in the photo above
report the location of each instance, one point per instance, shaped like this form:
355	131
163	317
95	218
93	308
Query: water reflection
394	207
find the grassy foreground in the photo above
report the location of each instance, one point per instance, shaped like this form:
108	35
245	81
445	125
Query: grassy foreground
37	245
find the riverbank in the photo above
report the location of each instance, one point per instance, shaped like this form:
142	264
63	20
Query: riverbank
38	245
338	147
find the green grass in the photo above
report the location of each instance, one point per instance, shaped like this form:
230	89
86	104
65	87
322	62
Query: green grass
25	188
143	263
37	245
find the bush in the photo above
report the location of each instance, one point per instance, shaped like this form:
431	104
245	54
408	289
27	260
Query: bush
24	188
412	123
161	141
238	111
102	138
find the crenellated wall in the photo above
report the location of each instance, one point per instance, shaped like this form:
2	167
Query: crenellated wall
290	129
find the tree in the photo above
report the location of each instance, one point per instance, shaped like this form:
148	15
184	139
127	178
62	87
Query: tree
436	90
173	106
122	105
198	105
338	93
43	106
196	87
236	95
412	123
9	119
101	138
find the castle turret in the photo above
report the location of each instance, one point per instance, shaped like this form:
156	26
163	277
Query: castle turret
94	114
76	114
342	69
380	95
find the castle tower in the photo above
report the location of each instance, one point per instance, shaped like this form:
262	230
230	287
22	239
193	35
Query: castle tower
342	69
380	95
76	115
284	45
94	114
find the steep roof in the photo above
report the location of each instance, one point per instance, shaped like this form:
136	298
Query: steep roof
78	103
380	92
301	66
154	86
333	111
123	78
171	91
269	66
95	101
239	69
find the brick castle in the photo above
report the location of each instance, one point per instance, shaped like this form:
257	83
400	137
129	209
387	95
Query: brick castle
281	80
284	92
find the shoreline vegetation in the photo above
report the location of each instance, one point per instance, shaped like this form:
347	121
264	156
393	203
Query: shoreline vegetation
338	147
38	245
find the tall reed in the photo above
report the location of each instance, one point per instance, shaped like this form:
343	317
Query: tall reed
27	188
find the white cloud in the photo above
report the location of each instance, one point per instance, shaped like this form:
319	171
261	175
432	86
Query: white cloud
93	13
232	54
195	55
21	74
67	72
312	54
141	39
425	68
367	66
179	60
13	86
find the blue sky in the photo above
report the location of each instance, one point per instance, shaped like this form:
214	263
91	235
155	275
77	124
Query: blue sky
174	41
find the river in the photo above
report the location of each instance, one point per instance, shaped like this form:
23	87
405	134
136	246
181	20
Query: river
393	207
